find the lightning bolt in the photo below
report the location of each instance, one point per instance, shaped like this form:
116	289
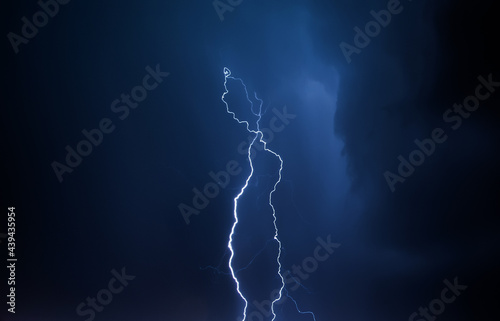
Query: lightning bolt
258	133
217	269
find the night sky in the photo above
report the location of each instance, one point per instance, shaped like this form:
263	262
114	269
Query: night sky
123	163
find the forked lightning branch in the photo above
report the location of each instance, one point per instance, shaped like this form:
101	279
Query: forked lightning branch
258	136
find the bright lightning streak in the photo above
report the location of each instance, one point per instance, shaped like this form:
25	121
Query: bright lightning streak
217	268
257	132
276	236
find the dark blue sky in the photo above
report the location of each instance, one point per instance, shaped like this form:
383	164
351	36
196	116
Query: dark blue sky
347	124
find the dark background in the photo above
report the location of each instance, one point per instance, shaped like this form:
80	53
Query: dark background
119	208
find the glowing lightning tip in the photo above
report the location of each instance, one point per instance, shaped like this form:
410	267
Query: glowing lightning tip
227	72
